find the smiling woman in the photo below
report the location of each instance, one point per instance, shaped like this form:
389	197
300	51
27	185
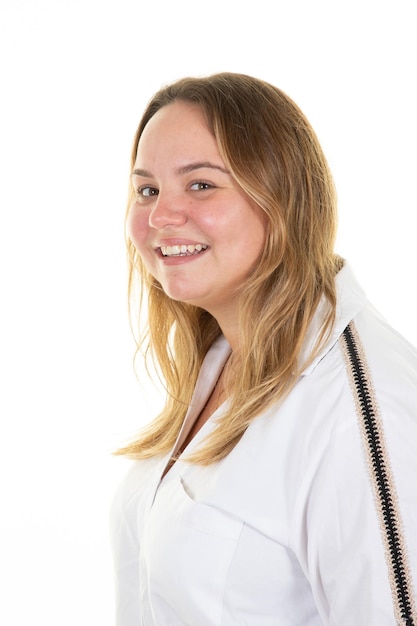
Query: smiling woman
253	497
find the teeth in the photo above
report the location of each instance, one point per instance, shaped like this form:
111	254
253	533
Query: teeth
183	250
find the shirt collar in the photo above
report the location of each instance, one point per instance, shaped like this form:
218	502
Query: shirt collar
350	299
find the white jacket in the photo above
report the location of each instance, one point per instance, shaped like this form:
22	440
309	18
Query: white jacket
285	531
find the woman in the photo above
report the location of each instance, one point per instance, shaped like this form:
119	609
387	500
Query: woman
277	486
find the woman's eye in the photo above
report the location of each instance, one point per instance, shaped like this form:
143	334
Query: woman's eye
147	192
200	186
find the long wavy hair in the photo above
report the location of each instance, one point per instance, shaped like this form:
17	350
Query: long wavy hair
273	153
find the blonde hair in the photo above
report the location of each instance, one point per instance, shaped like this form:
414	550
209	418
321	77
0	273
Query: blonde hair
273	153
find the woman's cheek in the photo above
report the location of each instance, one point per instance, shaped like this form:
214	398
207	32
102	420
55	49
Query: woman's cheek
137	227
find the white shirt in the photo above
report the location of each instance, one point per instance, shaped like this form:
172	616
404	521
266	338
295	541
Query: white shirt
284	531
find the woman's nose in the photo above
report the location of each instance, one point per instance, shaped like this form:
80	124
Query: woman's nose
168	210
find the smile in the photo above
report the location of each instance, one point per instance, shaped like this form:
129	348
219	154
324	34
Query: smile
183	250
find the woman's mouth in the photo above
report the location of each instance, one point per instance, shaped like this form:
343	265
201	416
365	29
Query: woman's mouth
183	250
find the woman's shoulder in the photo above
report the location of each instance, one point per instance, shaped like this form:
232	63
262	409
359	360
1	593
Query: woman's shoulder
389	359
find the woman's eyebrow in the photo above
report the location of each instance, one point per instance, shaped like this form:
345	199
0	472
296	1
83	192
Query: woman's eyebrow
184	169
144	173
190	167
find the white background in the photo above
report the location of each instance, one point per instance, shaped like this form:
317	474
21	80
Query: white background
75	77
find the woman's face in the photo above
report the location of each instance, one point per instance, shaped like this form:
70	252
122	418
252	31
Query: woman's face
195	229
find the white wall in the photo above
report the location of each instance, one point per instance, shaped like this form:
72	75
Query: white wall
75	76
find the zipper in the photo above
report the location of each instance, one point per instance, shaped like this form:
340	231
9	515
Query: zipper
381	478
